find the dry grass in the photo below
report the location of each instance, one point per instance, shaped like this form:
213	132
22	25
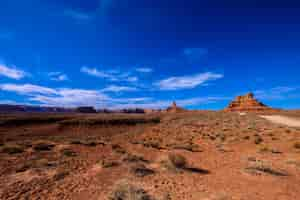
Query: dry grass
127	191
109	121
263	167
297	145
178	161
18	120
140	170
12	149
43	146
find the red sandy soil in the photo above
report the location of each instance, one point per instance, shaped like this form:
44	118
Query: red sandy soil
229	156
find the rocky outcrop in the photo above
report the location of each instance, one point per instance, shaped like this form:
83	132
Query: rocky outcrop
86	109
247	103
174	108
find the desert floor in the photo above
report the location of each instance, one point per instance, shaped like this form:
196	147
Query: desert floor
197	155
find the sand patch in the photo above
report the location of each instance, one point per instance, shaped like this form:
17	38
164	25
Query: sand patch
278	119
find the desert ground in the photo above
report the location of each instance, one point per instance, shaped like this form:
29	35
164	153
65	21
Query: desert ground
193	155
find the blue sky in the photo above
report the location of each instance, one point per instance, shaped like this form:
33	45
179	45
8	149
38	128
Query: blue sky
132	53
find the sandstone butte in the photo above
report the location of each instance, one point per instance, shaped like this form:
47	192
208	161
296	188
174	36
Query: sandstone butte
247	103
174	108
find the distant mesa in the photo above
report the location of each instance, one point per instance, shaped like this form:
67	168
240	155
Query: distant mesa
86	109
247	103
174	108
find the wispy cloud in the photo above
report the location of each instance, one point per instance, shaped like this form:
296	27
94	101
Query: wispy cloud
115	88
67	97
187	82
11	72
144	70
112	75
10	102
95	72
58	76
77	15
194	54
161	104
28	89
278	93
73	97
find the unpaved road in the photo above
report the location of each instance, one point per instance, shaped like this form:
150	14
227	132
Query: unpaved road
279	119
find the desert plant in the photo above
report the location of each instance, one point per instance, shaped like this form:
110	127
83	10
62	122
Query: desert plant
134	158
43	146
68	152
117	148
187	146
152	144
258	140
76	142
90	143
109	163
263	167
177	160
297	145
126	191
22	168
247	137
61	174
12	149
140	170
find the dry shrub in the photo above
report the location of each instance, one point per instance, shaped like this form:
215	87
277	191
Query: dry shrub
12	149
117	148
76	142
177	160
35	164
61	174
134	158
187	146
258	140
266	168
115	121
140	170
126	191
109	163
68	152
297	145
43	146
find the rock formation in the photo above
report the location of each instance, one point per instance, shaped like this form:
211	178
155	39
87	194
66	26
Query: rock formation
247	103
174	108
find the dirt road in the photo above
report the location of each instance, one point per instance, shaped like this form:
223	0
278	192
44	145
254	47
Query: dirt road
288	121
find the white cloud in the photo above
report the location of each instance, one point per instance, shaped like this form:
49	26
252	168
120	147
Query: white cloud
10	102
194	54
132	79
66	97
277	93
28	89
111	75
115	88
187	82
144	70
11	72
195	51
161	104
78	15
58	76
70	97
95	72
